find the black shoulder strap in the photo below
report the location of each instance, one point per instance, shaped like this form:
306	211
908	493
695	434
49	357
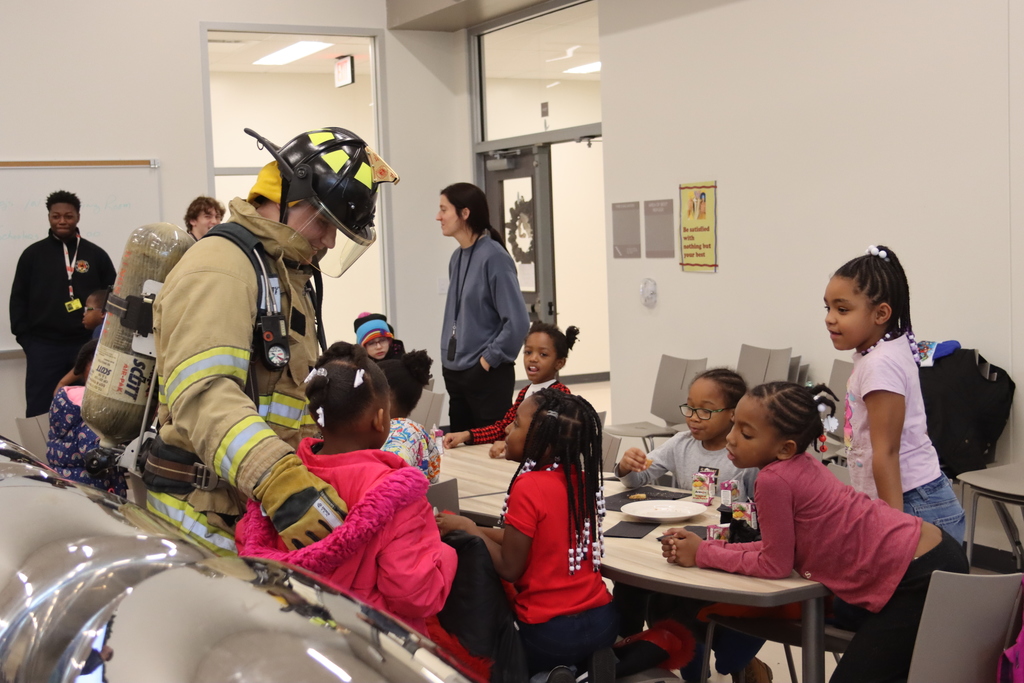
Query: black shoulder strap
252	247
318	307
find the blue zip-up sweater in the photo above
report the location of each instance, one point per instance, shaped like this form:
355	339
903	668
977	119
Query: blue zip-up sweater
493	321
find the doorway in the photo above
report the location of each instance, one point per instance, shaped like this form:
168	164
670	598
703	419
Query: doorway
267	99
518	188
537	135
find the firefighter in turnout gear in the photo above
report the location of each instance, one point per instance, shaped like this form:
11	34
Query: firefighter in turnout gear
236	327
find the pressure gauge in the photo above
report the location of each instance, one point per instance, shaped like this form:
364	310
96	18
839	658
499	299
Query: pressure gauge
277	356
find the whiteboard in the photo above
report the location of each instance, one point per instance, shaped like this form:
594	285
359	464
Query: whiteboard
115	201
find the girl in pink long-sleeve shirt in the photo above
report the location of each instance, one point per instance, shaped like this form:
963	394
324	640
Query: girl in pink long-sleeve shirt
388	551
870	555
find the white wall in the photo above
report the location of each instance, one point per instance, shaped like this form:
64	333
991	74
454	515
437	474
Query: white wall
123	80
428	129
829	127
581	279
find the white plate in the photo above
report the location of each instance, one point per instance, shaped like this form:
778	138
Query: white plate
664	510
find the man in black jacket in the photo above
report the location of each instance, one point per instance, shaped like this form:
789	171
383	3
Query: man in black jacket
53	278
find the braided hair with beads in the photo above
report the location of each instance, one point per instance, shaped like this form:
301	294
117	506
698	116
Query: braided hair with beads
879	275
565	435
344	382
795	411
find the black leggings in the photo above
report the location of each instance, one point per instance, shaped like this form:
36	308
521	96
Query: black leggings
884	644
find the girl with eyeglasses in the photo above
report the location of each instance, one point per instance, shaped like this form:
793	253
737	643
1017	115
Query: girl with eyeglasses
708	410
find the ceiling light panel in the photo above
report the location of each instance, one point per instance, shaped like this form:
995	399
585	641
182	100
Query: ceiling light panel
293	52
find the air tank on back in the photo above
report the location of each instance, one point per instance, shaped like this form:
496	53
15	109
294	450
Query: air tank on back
115	404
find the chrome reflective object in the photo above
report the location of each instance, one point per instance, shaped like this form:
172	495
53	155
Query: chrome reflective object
13	452
78	564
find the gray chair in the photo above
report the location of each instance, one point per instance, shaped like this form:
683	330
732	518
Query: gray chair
794	369
609	451
757	365
967	621
428	410
670	389
1003	485
33	432
444	495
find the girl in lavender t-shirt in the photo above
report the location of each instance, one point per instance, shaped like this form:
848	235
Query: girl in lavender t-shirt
888	450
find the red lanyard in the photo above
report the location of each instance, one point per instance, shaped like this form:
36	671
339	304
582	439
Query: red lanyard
69	265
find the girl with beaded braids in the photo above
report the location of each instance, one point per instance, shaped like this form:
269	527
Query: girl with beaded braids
551	544
877	559
890	456
387	552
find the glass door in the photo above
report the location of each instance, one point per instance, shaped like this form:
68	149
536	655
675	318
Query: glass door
518	187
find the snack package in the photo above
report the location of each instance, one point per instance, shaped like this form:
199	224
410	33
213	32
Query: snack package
702	488
718	532
745	511
728	489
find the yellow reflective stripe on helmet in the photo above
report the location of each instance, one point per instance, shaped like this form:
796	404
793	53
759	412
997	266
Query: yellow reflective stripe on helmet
365	175
336	159
220	360
237	443
285	411
320	136
181	514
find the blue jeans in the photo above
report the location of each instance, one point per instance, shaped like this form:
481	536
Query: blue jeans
935	502
569	639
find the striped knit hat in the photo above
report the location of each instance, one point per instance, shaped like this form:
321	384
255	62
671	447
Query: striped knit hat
369	326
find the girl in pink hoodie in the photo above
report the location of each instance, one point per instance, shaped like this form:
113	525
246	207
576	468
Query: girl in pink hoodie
388	552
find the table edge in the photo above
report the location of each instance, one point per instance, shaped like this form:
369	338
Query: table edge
736	597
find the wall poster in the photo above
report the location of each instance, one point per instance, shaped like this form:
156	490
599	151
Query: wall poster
626	230
698	236
659	240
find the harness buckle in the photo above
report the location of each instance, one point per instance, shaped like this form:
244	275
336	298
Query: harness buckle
206	478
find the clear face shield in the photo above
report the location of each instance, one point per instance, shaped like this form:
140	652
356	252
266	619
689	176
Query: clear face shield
336	247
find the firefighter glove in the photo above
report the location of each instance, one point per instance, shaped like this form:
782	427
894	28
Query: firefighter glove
302	507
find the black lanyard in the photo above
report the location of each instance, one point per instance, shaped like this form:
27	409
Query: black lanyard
461	277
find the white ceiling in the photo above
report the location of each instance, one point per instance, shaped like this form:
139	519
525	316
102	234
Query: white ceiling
518	51
237	51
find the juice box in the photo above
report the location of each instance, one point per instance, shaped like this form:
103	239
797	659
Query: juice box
702	488
728	489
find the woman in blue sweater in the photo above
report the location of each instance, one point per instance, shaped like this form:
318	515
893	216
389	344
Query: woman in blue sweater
485	319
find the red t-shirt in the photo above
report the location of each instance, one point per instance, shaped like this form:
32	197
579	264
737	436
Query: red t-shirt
538	506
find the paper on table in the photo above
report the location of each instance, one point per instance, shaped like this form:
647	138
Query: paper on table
630	530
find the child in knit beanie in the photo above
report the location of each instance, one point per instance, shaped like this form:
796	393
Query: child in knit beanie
377	336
